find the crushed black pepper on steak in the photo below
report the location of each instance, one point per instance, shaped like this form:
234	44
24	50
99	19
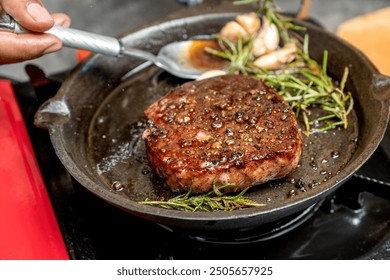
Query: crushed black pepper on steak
227	129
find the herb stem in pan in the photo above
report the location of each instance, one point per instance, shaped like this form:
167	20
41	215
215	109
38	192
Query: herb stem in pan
214	200
304	88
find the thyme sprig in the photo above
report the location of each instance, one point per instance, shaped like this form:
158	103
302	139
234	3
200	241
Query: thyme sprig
214	200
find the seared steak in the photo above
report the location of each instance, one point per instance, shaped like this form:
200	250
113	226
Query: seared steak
228	129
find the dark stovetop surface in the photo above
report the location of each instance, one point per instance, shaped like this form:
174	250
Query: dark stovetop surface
352	224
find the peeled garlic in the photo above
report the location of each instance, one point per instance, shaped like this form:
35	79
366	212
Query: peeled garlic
258	47
275	59
267	40
271	38
210	74
232	31
250	22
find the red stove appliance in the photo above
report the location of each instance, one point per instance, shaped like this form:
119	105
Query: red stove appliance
29	229
351	224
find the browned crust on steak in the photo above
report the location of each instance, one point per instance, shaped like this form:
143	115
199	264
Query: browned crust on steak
228	129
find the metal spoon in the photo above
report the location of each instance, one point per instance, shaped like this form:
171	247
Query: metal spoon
171	57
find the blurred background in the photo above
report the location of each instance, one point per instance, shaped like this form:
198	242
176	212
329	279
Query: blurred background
117	17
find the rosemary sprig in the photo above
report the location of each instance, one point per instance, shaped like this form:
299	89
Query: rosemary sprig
214	200
239	55
310	86
303	83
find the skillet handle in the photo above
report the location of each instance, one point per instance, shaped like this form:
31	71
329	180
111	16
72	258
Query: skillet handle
304	10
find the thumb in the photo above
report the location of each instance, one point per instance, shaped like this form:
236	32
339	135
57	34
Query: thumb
30	14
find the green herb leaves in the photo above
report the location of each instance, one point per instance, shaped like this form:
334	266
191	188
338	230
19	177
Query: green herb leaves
214	200
304	85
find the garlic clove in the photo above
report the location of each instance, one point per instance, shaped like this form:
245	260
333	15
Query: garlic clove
275	59
267	40
232	31
288	53
250	22
258	48
210	74
271	38
268	61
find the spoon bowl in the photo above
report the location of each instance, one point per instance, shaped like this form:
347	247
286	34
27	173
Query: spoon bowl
183	59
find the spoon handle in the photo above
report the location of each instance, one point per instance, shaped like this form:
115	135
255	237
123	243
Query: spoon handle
79	39
72	38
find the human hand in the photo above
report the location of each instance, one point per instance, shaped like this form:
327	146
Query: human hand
32	15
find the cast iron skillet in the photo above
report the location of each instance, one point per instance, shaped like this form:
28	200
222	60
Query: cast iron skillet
96	119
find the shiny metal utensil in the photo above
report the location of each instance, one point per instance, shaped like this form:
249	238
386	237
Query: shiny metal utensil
172	57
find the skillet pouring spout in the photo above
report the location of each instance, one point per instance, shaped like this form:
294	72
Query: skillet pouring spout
97	130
